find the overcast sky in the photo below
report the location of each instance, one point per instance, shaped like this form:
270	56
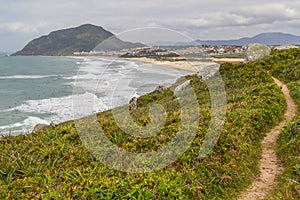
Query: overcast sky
23	20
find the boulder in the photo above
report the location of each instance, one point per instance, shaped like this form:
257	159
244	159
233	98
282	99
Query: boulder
257	51
162	88
207	71
40	127
133	103
52	125
181	88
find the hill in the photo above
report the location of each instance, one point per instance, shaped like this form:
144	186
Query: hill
67	41
272	38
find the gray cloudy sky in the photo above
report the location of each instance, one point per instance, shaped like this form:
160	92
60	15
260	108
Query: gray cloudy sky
23	20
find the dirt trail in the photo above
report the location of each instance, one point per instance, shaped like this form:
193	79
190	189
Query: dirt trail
269	164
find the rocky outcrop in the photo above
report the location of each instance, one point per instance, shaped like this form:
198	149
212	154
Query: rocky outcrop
181	87
42	127
257	51
133	103
206	72
162	88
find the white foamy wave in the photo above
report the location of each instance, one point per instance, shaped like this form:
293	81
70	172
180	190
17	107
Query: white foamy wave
60	108
87	104
88	76
97	59
93	68
76	57
25	126
26	76
130	64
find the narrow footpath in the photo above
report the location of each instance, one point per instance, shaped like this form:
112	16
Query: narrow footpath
269	165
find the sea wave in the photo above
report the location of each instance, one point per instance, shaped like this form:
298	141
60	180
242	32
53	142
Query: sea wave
60	108
25	126
26	76
99	84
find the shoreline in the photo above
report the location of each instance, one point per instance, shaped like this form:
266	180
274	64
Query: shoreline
186	65
183	66
179	65
229	60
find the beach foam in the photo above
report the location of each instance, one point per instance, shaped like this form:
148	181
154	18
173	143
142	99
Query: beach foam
61	108
26	76
26	126
99	84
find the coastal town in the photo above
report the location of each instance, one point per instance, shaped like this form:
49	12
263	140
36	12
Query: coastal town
168	51
177	52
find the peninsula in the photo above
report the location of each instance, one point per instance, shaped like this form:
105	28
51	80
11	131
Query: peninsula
66	42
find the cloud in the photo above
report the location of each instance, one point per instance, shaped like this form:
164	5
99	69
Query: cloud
213	19
269	13
21	28
270	10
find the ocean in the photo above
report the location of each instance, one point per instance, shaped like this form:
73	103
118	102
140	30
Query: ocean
37	89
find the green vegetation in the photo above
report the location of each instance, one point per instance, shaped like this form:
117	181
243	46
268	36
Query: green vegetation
171	59
285	65
233	55
55	164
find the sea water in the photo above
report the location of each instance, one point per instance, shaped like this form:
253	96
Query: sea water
37	89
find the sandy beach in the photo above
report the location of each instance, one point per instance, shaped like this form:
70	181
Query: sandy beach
179	65
194	66
230	60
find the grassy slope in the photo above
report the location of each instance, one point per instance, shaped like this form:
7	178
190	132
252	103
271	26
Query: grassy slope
54	163
285	65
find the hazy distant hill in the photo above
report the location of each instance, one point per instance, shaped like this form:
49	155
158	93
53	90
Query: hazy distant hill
274	38
83	38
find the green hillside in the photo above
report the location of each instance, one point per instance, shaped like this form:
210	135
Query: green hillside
55	164
65	42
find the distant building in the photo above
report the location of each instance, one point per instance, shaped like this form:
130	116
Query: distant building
287	46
